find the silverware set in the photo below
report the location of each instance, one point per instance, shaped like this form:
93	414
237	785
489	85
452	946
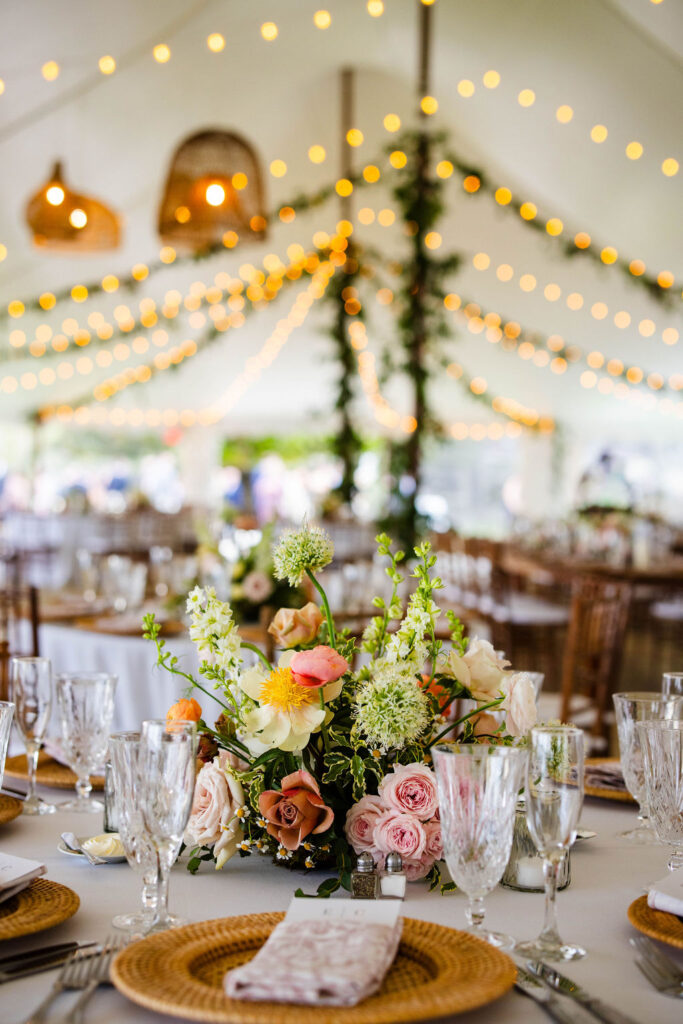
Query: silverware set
562	999
665	975
83	972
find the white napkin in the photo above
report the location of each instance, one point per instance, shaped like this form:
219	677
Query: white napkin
667	894
324	956
16	873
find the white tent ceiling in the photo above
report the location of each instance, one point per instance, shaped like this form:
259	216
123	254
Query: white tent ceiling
615	62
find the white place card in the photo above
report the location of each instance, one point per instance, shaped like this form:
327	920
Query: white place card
16	873
360	912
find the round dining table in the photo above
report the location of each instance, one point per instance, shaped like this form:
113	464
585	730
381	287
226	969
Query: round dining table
607	875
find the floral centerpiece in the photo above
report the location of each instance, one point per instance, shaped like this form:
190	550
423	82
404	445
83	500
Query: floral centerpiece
314	759
254	587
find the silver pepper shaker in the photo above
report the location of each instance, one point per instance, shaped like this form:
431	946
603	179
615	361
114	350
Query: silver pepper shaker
392	883
364	880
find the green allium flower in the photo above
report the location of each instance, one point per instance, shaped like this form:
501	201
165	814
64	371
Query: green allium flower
299	550
391	709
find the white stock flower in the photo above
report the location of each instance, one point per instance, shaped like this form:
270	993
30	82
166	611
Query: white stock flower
213	629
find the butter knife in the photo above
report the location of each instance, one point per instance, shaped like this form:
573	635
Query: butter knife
47	962
558	1009
22	959
559	983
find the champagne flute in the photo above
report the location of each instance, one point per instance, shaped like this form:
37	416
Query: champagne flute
478	786
672	684
662	745
31	690
124	751
641	706
166	774
554	795
85	701
6	713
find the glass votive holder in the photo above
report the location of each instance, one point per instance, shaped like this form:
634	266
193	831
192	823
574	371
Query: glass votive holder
524	870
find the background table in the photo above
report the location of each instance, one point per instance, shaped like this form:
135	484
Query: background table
607	875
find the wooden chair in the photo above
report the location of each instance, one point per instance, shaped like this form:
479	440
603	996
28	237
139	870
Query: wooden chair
593	649
18	606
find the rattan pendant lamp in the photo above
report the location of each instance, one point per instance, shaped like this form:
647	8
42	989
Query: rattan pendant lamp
213	193
63	220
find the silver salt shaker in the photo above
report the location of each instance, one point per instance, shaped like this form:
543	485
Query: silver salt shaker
392	883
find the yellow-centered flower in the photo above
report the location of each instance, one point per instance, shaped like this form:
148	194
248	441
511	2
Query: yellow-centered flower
281	692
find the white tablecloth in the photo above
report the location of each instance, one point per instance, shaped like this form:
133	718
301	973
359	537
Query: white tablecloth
144	690
607	875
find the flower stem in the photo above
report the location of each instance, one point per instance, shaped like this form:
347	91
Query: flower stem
326	607
257	650
451	725
323	727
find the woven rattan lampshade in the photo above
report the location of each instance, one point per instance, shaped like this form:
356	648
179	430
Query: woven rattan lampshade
66	221
214	186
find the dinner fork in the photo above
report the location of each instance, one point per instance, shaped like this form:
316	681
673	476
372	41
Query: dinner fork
75	974
98	976
659	970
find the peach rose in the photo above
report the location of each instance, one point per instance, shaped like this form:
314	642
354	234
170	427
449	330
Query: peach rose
403	833
184	710
360	822
484	724
318	667
213	820
411	788
296	811
481	669
294	626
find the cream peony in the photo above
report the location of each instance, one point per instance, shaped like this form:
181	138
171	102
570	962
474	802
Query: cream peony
481	669
286	713
519	703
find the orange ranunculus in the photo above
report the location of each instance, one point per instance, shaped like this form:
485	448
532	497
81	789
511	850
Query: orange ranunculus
317	667
294	626
436	690
184	711
296	811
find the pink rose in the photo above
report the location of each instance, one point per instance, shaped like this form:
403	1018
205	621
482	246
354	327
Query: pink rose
360	822
434	839
296	810
519	704
403	833
411	788
318	667
217	798
294	626
417	868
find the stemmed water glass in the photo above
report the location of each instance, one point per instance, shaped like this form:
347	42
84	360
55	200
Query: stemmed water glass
85	701
6	713
662	746
630	708
31	691
672	684
554	795
124	751
166	775
478	787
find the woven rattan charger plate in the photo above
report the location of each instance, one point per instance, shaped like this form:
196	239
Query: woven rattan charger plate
49	773
605	792
655	923
9	808
40	905
438	972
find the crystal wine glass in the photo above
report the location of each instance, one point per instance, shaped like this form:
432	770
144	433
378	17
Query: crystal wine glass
631	708
554	795
166	784
6	713
124	751
478	786
672	684
31	691
85	701
662	746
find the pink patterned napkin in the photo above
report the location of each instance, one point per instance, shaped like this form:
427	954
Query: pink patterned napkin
318	963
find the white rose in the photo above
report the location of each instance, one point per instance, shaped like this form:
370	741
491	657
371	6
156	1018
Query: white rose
217	795
519	703
481	669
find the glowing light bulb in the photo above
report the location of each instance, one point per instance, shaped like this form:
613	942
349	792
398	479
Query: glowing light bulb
491	79
598	133
161	53
429	105
392	122
269	31
50	70
78	218
316	154
526	98
322	19
215	195
55	195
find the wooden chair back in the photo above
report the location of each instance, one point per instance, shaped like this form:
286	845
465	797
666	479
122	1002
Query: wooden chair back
594	645
18	617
